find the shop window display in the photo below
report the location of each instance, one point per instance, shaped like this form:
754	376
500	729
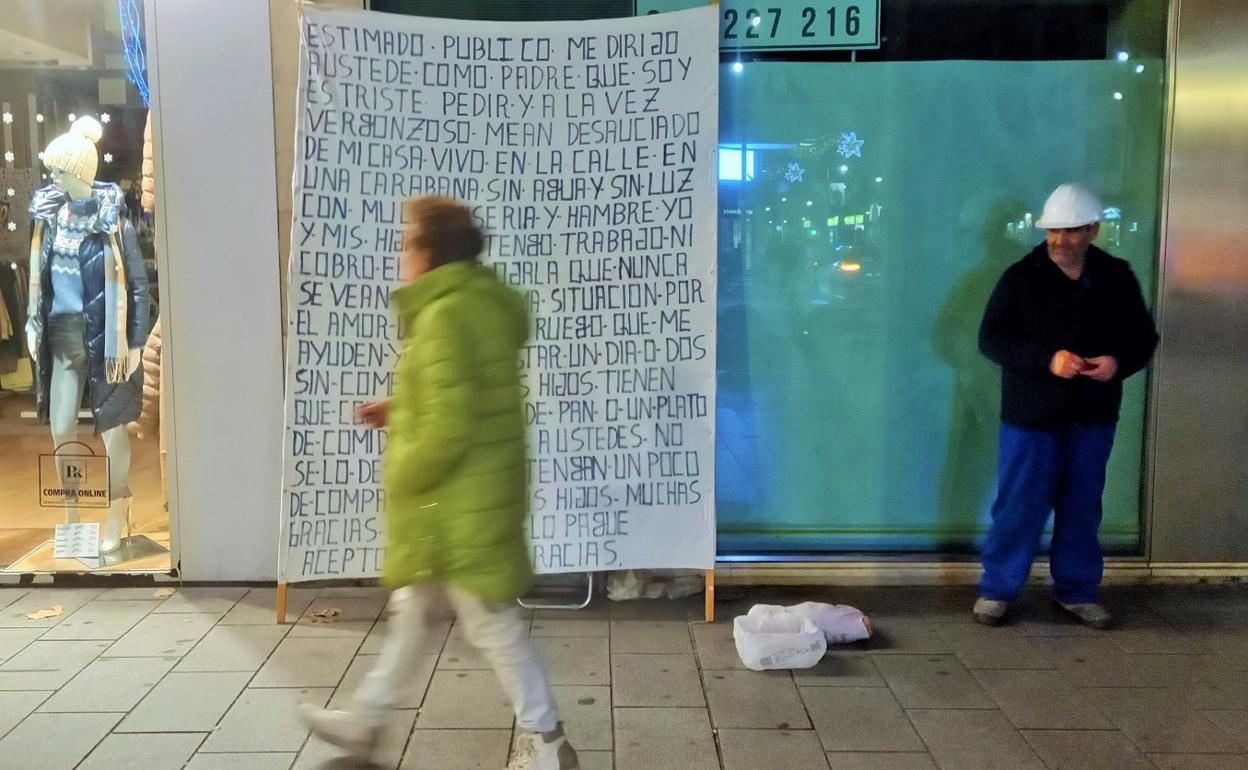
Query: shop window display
81	439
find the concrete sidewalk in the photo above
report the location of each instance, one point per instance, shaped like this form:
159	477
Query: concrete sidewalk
204	679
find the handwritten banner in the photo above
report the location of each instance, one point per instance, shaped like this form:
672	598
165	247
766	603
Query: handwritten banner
586	151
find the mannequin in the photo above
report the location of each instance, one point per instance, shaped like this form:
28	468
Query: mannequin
88	310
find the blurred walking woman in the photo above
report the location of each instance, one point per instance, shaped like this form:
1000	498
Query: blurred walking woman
455	482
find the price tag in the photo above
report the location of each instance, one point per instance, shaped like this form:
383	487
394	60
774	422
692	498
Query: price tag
786	25
77	541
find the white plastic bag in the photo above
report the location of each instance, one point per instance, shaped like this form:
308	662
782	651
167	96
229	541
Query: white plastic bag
840	623
777	640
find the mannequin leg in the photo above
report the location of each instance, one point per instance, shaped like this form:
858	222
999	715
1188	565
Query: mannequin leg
117	445
69	378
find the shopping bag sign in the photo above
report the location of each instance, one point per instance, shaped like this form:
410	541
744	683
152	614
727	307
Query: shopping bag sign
73	475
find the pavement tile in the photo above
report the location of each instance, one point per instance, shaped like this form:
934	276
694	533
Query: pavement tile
880	761
755	699
54	741
1043	700
656	680
14	706
756	749
664	739
841	671
145	751
243	761
264	720
210	599
932	682
307	662
457	750
668	637
974	740
1086	750
48	665
233	648
258	607
415	683
158	636
982	647
859	719
101	620
465	699
192	702
110	684
1161	721
70	599
14	640
576	660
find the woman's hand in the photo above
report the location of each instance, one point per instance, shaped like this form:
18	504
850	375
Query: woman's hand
374	414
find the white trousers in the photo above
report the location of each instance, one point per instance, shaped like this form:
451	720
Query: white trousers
495	628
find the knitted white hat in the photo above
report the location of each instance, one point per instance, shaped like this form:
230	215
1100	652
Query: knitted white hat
74	151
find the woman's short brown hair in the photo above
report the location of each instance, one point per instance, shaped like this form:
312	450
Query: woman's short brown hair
445	227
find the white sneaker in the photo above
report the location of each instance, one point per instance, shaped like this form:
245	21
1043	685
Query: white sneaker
351	731
544	751
1090	614
990	612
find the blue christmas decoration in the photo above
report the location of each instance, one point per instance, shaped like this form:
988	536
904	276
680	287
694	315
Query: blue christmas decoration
850	145
132	46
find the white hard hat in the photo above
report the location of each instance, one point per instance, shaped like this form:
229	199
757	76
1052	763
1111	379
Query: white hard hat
1070	205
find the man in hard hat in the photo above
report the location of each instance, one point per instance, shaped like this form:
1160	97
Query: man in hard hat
1067	323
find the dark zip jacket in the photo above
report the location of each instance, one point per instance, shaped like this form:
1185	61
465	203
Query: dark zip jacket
1036	310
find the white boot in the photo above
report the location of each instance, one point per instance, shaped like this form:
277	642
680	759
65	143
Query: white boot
355	732
544	751
114	522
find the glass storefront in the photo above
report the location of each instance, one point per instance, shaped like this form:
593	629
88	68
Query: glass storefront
869	201
81	429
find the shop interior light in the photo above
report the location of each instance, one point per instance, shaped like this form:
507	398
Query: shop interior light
39	118
844	169
72	117
1139	69
1123	56
738	67
850	267
1118	96
879	179
810	203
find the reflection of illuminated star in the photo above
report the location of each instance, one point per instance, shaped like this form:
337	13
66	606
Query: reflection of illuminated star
8	117
850	145
108	157
8	156
794	172
11	193
12	227
105	117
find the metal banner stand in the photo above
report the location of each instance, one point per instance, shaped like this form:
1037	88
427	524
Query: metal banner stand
589	596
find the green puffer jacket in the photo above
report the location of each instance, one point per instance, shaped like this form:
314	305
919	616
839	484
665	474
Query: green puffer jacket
454	470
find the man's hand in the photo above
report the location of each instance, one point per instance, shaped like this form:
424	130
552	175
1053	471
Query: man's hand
375	413
1066	364
1100	368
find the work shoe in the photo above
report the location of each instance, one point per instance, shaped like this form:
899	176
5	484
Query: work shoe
990	612
1090	614
351	731
544	751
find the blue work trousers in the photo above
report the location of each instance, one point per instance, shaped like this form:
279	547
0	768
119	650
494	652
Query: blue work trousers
1062	471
